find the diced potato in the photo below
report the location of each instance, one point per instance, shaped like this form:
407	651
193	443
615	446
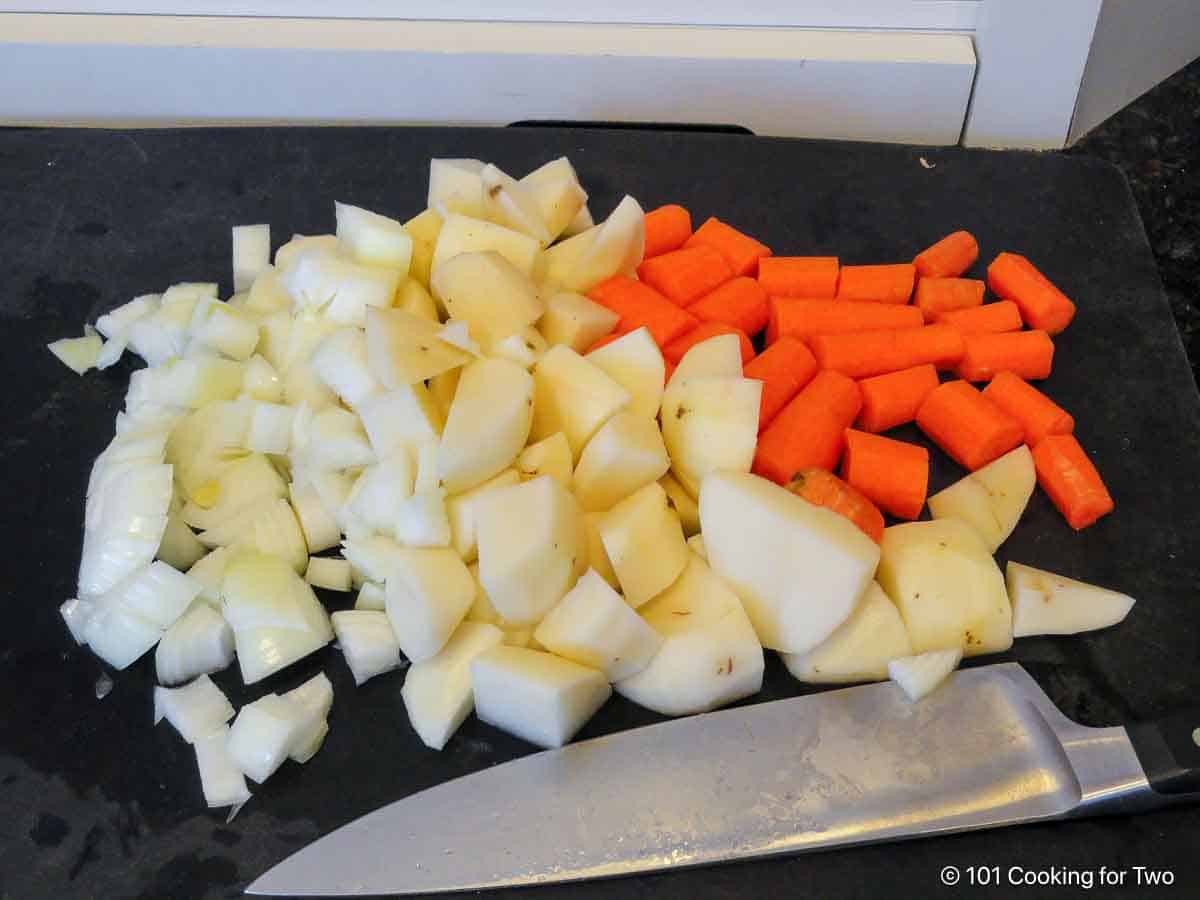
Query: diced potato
574	320
861	647
623	456
919	675
644	542
488	424
634	362
549	456
1045	603
428	593
437	692
573	396
992	499
710	423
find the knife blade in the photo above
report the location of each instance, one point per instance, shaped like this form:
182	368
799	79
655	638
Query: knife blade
858	765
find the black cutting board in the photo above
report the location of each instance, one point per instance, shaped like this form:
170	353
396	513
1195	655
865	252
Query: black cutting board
99	803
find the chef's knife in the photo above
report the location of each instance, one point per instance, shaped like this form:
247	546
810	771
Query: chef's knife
852	766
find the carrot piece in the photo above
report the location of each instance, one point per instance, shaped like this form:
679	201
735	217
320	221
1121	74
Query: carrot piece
784	368
684	276
674	351
991	318
741	251
879	352
666	229
792	316
893	474
967	425
1069	477
1029	354
893	399
822	488
880	284
638	305
607	339
810	431
940	295
668	371
740	303
799	276
1038	414
1043	306
949	257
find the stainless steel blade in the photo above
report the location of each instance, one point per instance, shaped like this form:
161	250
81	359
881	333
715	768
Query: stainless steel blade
841	767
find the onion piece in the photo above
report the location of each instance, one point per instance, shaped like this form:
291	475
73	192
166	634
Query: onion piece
123	524
270	428
340	289
209	570
340	361
421	520
329	573
315	698
180	547
370	596
367	642
117	321
195	710
379	490
261	381
156	593
199	642
76	613
199	381
220	778
262	735
77	354
244	482
118	636
251	254
375	557
317	523
335	440
221	328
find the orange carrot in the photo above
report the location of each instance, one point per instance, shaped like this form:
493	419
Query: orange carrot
674	351
893	399
792	316
822	488
666	229
879	352
668	371
1069	477
949	257
740	303
967	425
607	339
1038	414
810	431
1029	354
880	284
893	474
741	251
1043	306
783	368
991	318
940	295
638	305
799	276
684	276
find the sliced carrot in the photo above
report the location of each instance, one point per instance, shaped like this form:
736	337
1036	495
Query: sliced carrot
796	317
607	339
784	368
684	276
667	228
893	399
941	295
879	284
879	352
1038	414
810	431
799	276
949	257
674	351
822	488
638	304
893	474
740	303
967	425
741	251
1043	306
991	318
1069	477
668	371
1029	354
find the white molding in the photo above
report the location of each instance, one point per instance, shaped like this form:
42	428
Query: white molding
935	15
883	86
1032	55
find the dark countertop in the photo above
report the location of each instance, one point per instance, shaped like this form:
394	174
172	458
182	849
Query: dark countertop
1155	141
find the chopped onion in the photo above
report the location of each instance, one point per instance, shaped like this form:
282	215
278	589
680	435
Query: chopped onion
327	572
261	381
370	596
118	636
180	547
421	520
399	418
199	381
77	354
251	254
367	642
270	428
156	593
199	642
428	467
123	524
243	483
76	613
262	735
335	440
375	557
316	244
315	698
220	778
341	362
196	709
319	526
268	526
209	570
379	490
342	290
223	329
117	321
110	351
275	616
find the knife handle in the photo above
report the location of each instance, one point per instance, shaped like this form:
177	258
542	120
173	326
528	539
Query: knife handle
1169	751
